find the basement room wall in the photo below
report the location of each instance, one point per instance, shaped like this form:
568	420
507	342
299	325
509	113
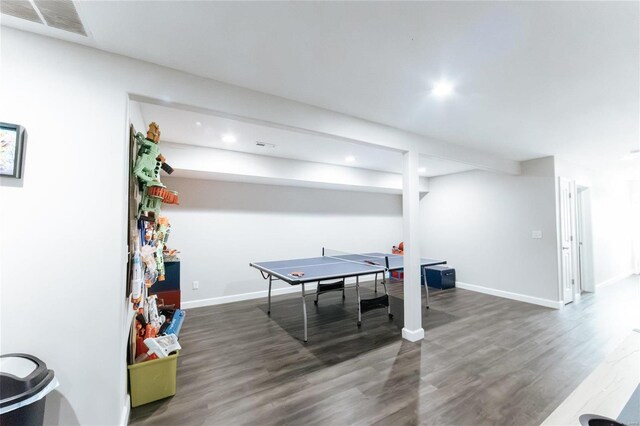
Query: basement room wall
220	227
62	227
612	222
482	224
635	217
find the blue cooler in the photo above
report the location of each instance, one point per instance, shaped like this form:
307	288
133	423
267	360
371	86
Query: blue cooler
441	276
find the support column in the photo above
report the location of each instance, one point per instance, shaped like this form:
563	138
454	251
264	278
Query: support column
412	330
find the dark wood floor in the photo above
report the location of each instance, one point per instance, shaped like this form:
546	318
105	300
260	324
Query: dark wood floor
484	360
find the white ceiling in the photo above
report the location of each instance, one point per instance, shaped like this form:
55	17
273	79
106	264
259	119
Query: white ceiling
532	78
180	126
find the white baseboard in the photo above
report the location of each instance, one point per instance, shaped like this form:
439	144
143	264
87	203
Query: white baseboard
615	279
413	335
126	410
554	304
245	296
312	287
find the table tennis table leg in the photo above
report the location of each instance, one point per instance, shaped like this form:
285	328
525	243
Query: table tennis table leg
426	287
376	281
304	313
358	294
269	297
384	284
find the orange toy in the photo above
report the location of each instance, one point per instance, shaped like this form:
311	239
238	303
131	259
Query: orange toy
398	250
150	331
168	197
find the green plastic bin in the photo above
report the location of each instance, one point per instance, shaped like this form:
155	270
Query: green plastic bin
153	380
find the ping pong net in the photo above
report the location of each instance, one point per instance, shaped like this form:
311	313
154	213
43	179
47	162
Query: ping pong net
359	258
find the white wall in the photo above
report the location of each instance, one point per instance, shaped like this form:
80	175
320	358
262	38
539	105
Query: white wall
611	220
220	227
611	224
62	227
481	223
136	118
635	224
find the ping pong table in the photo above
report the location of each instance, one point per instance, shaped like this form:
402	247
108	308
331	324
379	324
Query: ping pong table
338	266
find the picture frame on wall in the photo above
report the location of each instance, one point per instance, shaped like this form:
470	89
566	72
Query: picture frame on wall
12	140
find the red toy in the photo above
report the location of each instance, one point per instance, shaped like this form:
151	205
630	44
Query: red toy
399	249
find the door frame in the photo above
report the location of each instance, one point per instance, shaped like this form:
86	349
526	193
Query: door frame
570	224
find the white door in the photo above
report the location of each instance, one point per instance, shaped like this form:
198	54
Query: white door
580	267
567	239
585	238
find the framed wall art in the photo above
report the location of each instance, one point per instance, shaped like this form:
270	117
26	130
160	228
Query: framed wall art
12	140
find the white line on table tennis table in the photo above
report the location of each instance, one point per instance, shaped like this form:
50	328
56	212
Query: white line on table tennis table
359	263
330	263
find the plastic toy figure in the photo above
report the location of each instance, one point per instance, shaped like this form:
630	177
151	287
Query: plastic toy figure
150	272
162	235
147	169
149	162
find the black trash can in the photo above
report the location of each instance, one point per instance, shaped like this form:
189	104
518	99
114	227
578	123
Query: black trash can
24	385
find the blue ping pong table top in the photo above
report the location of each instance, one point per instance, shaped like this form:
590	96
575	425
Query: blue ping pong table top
326	267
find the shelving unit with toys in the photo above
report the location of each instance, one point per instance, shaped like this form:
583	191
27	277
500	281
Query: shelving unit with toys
153	345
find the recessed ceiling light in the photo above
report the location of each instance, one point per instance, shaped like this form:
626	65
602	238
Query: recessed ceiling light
228	138
422	170
350	159
198	123
442	89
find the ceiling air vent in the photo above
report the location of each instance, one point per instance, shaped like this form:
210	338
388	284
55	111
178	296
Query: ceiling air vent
265	144
22	9
60	14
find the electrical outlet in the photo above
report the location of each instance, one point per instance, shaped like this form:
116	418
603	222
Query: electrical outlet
196	285
536	234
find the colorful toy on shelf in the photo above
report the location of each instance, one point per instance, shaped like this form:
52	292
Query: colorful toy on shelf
167	196
159	347
150	275
398	250
171	255
162	235
136	278
154	239
149	162
176	322
149	205
147	170
152	315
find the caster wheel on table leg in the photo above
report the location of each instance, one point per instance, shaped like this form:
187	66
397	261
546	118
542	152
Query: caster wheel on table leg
315	302
268	312
390	315
359	324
